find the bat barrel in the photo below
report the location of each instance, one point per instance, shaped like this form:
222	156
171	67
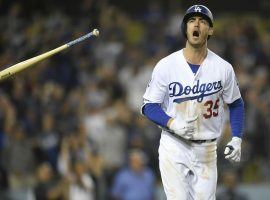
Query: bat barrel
27	63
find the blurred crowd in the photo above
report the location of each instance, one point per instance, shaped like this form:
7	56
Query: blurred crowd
71	128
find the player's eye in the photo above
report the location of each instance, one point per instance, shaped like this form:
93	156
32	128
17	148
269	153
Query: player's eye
203	21
192	19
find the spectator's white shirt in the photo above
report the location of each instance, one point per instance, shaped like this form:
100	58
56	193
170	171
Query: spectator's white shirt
79	193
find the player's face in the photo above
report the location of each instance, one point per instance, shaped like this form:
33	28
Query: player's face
198	30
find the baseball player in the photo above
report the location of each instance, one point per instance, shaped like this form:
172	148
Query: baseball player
186	98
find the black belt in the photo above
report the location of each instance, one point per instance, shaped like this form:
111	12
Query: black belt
195	141
203	141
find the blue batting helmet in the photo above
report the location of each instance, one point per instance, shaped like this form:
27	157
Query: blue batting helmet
196	10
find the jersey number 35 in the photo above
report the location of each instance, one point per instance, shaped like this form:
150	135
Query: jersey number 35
211	109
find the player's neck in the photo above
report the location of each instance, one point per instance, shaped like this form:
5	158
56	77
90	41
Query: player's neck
195	55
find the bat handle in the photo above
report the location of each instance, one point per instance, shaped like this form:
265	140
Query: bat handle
95	32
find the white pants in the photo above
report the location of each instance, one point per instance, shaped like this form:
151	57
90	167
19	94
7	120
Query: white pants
188	170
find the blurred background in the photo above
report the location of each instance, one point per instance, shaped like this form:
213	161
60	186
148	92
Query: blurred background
70	127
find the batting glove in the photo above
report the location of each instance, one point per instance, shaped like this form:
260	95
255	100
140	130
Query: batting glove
232	150
185	130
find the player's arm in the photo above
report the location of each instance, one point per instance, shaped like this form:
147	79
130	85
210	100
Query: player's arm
154	96
232	97
233	148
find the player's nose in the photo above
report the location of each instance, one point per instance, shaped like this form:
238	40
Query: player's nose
196	22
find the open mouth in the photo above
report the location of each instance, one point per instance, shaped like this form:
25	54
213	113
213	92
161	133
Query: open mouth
196	33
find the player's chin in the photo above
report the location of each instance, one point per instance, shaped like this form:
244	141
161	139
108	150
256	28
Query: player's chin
197	41
196	44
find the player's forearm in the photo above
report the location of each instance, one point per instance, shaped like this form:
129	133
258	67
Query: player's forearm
237	115
156	114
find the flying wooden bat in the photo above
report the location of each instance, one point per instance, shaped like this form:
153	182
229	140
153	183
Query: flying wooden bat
28	63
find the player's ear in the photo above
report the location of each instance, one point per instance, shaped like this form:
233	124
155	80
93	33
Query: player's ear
211	31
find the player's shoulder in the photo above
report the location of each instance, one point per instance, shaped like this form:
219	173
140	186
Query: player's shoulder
218	61
168	61
171	57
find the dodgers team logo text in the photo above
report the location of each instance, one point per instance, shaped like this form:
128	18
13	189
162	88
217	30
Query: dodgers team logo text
198	90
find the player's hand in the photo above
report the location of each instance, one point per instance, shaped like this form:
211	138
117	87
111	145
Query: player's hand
186	129
232	150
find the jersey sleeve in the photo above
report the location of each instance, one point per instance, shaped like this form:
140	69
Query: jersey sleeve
231	90
157	87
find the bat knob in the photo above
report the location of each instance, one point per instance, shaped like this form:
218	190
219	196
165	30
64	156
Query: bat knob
96	32
230	149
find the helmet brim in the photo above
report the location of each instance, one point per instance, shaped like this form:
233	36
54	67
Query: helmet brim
206	17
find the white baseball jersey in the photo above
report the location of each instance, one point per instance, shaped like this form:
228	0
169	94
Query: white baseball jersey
183	94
